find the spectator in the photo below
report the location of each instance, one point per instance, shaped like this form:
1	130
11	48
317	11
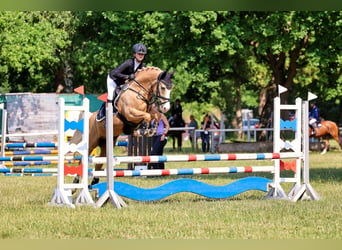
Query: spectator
215	136
205	136
177	113
159	141
193	123
176	121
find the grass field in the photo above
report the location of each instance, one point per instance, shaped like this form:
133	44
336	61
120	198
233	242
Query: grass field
26	215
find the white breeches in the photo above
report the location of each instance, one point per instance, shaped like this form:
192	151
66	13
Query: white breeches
111	86
312	121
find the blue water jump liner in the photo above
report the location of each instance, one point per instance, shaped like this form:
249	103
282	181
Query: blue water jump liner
185	185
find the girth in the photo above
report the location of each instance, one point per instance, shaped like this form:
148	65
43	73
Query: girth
129	127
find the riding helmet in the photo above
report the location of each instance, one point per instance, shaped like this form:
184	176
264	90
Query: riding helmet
139	48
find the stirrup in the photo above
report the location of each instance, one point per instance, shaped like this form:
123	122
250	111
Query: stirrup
101	119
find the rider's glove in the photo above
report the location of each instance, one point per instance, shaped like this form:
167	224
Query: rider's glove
131	77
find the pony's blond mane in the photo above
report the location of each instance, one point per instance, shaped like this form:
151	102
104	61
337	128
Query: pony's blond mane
148	69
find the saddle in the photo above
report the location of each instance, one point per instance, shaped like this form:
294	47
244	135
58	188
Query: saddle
314	127
101	114
129	127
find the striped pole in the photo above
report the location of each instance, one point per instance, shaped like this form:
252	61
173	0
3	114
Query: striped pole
36	163
190	171
121	143
28	170
38	158
32	170
47	145
198	157
33	174
32	152
32	145
153	172
38	170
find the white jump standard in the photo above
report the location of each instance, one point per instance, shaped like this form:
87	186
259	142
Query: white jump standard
63	192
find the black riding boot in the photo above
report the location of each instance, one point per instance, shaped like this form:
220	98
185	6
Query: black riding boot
102	113
313	129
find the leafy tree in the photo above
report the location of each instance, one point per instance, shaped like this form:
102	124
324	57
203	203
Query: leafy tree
231	60
206	51
32	46
289	43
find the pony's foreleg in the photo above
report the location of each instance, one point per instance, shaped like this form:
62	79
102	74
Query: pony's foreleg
134	115
324	151
327	146
98	167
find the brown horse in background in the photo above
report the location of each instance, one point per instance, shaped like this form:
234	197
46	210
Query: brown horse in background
327	129
133	106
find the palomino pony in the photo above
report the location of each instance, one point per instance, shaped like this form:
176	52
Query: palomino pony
132	107
327	128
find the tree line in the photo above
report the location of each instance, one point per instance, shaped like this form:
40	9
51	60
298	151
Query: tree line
228	59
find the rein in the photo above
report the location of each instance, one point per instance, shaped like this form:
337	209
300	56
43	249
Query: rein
155	97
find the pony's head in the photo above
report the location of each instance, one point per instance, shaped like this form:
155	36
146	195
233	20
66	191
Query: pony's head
163	91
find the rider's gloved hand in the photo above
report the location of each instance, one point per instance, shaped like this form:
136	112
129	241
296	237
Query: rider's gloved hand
131	77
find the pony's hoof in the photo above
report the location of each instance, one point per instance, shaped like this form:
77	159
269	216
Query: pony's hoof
76	179
95	181
142	132
151	132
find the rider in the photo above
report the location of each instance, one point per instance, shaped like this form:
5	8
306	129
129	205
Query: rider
314	117
119	75
126	70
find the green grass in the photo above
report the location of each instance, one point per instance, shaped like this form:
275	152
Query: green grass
26	215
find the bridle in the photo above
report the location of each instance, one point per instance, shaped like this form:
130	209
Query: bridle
155	97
